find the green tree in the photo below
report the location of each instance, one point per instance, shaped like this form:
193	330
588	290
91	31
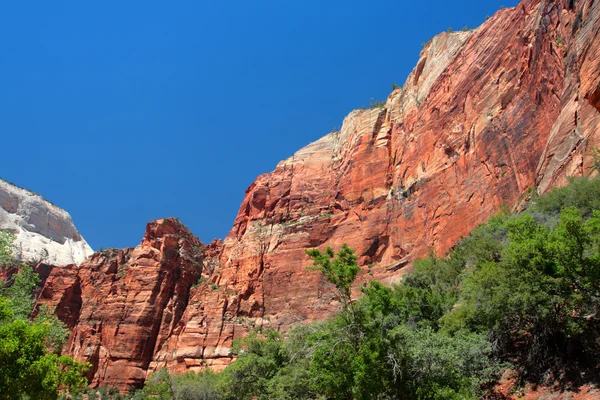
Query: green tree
292	380
159	385
539	299
581	193
260	358
197	386
348	351
337	342
430	365
20	291
340	270
28	367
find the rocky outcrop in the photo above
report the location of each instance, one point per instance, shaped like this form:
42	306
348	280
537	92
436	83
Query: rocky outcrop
486	117
43	231
121	305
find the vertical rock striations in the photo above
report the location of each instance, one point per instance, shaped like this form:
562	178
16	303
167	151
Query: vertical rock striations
485	117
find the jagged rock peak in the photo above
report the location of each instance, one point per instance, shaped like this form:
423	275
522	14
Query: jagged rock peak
166	226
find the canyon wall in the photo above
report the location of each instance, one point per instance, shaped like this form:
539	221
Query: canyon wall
486	118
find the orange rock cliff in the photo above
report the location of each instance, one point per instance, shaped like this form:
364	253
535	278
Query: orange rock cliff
486	116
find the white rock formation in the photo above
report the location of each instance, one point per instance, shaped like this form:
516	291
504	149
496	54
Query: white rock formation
44	232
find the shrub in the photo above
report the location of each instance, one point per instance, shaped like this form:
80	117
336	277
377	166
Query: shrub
377	103
6	251
538	300
260	359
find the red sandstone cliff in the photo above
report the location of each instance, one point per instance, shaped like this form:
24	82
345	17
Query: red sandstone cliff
122	305
485	116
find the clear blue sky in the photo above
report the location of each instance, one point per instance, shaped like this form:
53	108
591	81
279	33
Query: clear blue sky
122	112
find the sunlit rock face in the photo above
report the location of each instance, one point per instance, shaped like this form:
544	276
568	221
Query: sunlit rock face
43	231
486	117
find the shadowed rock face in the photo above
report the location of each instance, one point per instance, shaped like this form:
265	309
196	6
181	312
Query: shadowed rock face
485	117
44	232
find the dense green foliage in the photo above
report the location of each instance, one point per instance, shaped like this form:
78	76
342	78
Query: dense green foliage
29	364
189	386
539	299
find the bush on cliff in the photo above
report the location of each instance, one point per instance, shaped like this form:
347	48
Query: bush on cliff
6	241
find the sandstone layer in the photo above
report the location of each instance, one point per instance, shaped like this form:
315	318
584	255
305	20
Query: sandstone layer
43	231
485	118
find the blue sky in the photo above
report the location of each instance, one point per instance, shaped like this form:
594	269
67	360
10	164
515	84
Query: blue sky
122	112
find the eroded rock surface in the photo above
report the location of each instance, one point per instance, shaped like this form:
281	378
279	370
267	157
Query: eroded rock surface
485	117
122	305
44	232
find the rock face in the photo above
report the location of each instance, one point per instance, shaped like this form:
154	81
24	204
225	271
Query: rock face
485	117
121	305
44	232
